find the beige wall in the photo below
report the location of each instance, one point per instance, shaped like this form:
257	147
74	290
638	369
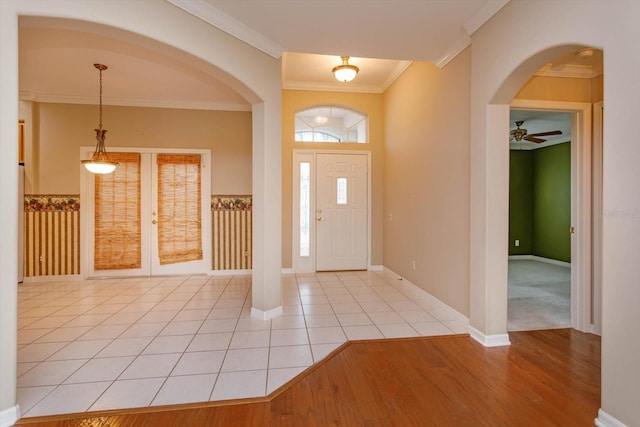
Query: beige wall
426	179
563	89
60	129
370	104
504	54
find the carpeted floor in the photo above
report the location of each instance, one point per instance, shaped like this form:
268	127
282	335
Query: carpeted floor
539	295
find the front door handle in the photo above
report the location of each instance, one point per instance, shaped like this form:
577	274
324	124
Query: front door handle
320	219
154	222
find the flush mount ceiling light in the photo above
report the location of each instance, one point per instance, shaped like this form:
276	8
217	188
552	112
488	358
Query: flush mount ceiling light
100	162
345	72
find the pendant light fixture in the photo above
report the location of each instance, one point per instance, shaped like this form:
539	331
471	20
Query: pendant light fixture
345	72
100	162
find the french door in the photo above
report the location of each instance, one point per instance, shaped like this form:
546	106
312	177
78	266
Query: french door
151	217
331	214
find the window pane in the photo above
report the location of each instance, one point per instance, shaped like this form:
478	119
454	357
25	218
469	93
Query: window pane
305	212
330	124
342	191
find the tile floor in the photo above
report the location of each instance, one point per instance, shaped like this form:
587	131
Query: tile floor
119	343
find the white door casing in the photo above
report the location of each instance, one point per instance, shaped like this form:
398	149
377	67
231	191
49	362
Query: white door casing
316	234
150	265
581	206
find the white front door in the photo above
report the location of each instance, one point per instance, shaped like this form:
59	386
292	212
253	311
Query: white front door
151	217
341	212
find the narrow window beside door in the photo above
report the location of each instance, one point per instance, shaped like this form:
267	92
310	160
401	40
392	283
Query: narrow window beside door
305	213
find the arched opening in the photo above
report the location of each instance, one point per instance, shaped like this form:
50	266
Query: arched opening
263	96
497	178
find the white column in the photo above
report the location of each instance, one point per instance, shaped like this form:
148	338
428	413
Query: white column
9	412
267	210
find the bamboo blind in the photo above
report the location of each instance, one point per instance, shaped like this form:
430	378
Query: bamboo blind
118	242
179	204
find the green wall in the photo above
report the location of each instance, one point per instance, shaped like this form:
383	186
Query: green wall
540	202
520	210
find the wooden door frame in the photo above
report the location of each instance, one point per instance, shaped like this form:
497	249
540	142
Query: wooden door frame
86	179
308	264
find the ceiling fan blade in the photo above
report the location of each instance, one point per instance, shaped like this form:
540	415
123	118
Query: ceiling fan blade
553	132
532	138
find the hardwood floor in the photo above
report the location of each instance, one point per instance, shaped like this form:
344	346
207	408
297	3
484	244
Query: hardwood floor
545	378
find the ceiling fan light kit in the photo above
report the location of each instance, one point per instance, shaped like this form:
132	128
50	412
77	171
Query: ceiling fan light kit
100	162
345	72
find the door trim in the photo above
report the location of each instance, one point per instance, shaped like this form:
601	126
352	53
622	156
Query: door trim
307	264
86	180
581	205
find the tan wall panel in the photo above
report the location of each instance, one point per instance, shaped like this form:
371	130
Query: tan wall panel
61	129
426	178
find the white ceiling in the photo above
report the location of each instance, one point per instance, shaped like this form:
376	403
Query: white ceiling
381	36
423	30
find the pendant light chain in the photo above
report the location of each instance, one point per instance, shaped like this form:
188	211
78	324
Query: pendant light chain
100	162
100	123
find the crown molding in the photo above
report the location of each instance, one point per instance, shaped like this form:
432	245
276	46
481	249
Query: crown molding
397	72
490	8
570	71
530	146
453	51
211	15
131	102
331	87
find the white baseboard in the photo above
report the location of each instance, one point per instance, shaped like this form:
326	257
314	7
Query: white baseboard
417	291
266	315
48	279
9	416
287	271
497	340
606	420
541	259
229	272
376	268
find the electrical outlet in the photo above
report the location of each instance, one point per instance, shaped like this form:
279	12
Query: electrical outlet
517	243
413	265
390	217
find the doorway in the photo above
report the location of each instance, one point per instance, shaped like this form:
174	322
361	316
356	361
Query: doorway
151	217
539	276
331	213
582	212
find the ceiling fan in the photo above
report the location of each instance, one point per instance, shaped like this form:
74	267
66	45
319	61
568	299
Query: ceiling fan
519	134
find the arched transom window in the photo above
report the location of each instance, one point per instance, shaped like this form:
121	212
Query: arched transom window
331	124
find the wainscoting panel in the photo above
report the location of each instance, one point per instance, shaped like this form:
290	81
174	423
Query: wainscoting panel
231	216
51	235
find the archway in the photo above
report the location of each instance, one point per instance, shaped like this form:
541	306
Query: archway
238	62
489	216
